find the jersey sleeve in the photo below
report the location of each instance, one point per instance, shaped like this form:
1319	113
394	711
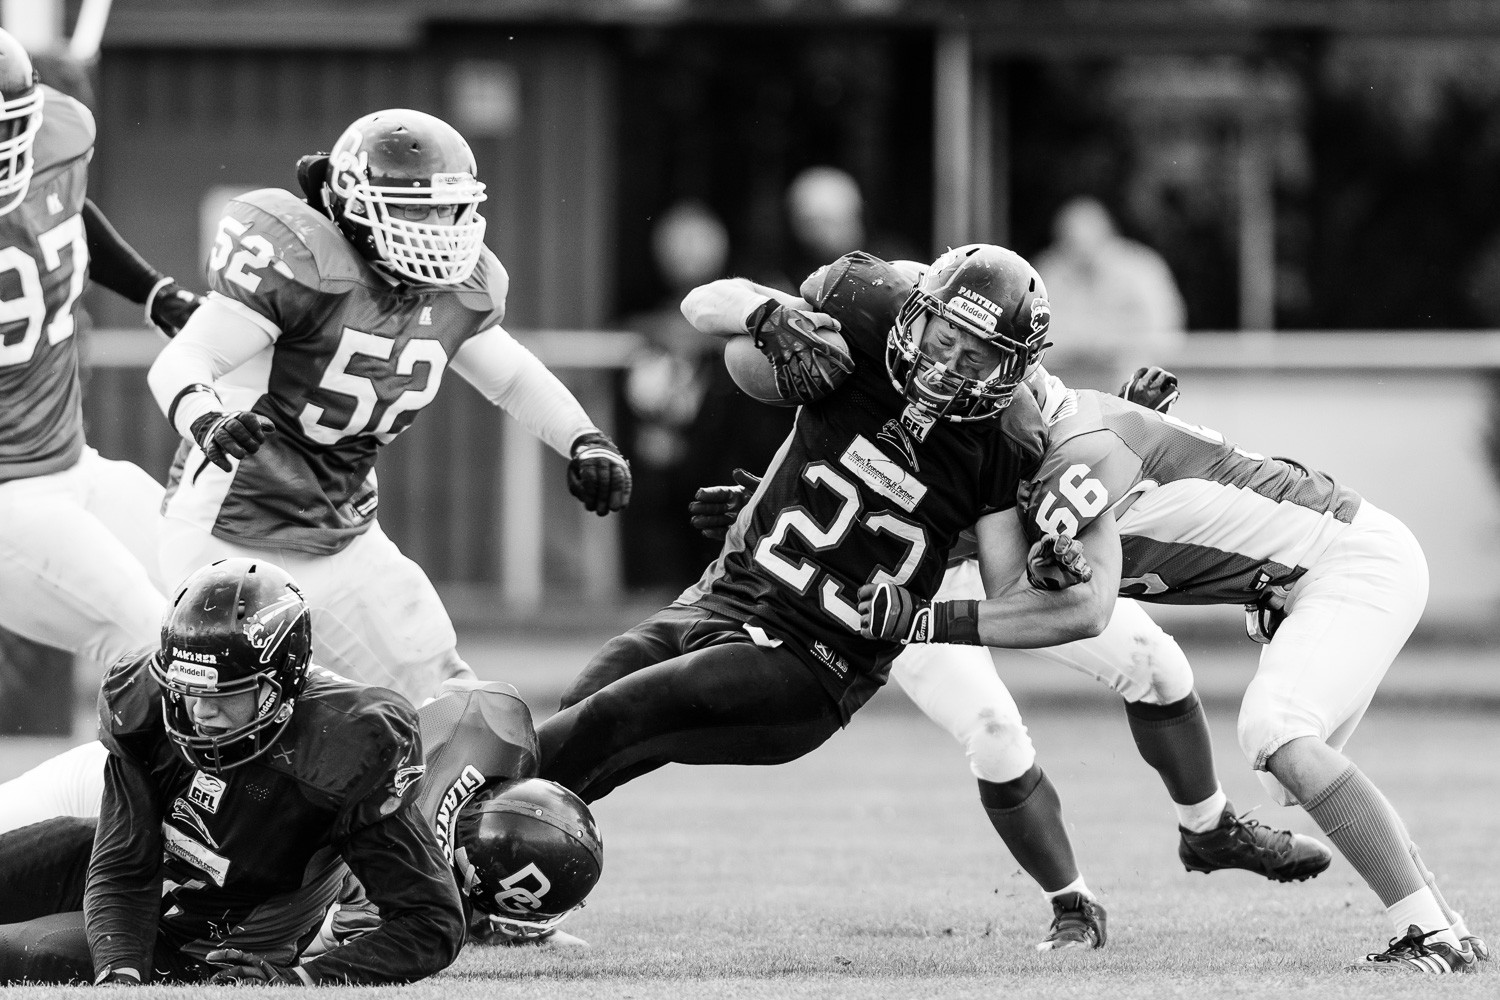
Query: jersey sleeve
486	290
1079	479
67	131
864	294
128	707
261	261
121	900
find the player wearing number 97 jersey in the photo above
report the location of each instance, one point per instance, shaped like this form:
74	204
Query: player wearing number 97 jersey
329	327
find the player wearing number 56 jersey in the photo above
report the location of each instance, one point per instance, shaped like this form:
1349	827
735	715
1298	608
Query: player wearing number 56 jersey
330	325
78	533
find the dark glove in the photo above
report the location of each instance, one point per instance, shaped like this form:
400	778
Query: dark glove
237	966
169	305
1154	388
807	367
1056	562
714	508
223	436
887	611
598	475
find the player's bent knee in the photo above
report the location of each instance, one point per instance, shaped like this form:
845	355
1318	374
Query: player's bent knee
999	748
1169	676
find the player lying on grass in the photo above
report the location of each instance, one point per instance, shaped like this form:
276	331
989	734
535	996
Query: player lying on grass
1128	501
328	328
763	660
958	688
78	532
239	785
523	852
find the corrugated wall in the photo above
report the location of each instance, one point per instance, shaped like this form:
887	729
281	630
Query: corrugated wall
175	124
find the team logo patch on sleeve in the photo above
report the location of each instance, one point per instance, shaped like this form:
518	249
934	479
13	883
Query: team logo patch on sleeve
457	794
882	474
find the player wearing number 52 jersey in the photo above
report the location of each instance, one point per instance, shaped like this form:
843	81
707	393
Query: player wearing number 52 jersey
330	325
1334	587
78	533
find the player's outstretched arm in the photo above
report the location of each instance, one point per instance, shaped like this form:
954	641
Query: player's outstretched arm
723	308
1020	613
122	900
117	266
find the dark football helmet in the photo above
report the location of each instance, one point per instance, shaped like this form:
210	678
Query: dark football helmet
990	293
235	626
527	853
20	120
388	174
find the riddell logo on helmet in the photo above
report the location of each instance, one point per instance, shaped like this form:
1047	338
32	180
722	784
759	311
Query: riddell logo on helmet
195	675
976	309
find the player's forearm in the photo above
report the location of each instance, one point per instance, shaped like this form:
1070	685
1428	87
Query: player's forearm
220	336
514	379
122	901
721	307
114	263
1023	617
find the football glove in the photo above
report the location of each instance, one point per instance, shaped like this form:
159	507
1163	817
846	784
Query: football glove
1154	388
168	306
806	366
714	508
1056	562
888	611
598	474
223	436
237	967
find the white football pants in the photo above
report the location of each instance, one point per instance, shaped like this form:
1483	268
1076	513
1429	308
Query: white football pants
375	616
70	784
78	558
1346	620
958	688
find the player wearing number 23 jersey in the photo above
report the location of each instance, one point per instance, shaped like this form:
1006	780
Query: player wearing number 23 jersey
762	660
330	325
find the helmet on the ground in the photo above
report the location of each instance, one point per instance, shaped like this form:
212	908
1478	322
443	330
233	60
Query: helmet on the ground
234	627
20	120
985	291
527	853
387	174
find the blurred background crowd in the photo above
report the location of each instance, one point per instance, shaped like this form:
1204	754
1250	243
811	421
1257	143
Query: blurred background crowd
1187	175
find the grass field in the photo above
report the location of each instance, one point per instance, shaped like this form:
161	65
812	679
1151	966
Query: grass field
868	869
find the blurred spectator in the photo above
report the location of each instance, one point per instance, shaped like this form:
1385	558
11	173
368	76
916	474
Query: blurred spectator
1114	303
826	213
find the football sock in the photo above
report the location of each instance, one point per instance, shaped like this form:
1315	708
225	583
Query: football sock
1364	827
1027	814
1078	885
1174	739
1455	919
1202	816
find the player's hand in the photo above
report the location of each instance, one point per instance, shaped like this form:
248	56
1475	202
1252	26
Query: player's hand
887	611
807	367
224	436
237	966
714	508
598	475
169	305
1056	562
1154	388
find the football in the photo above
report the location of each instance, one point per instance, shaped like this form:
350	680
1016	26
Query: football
752	371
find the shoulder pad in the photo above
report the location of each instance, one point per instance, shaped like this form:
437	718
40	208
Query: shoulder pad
864	294
309	247
129	700
67	130
347	740
1022	422
485	290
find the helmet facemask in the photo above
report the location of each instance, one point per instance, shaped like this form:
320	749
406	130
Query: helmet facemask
935	390
218	752
20	121
413	249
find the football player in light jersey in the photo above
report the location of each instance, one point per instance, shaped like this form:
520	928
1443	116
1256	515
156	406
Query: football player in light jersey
958	688
78	533
328	328
524	852
1169	512
762	660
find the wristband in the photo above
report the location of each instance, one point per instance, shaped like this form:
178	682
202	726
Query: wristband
194	409
955	622
757	317
151	297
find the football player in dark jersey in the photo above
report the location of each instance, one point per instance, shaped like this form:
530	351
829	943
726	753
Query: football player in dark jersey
762	660
239	785
958	688
1170	512
328	328
78	532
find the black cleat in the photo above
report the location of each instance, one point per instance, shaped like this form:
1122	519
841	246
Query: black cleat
1413	954
1240	842
1077	922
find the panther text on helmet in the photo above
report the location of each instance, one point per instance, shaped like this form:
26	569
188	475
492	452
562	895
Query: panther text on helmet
972	330
402	187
